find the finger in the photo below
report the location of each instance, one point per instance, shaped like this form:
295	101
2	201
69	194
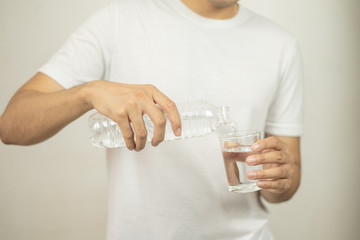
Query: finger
232	172
271	173
279	157
123	121
231	144
268	143
137	121
169	107
159	121
280	184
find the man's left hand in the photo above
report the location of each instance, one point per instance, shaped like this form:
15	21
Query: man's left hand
280	157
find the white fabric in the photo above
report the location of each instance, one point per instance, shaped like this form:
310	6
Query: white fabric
178	190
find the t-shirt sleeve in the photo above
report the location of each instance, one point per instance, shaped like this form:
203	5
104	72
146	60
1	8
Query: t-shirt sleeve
86	54
285	116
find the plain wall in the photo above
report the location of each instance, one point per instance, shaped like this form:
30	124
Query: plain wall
58	189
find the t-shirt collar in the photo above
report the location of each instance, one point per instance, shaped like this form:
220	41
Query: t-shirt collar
186	12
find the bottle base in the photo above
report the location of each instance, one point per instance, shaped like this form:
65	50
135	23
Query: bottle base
244	188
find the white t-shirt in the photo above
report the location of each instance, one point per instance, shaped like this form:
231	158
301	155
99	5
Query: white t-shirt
178	190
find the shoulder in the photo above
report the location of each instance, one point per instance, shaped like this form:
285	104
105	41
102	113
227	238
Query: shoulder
267	29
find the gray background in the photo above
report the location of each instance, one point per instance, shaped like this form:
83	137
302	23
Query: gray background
58	189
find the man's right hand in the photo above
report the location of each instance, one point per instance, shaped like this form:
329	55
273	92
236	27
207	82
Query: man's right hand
127	103
46	107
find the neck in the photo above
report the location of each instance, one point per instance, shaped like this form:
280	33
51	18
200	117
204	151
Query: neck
209	9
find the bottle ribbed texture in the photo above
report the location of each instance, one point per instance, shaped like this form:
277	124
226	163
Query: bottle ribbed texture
198	118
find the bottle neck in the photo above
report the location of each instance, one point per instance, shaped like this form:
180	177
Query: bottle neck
225	119
224	114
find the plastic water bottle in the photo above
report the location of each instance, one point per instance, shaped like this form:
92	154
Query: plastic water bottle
198	118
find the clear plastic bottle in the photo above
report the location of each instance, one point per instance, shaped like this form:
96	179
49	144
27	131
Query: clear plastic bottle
198	118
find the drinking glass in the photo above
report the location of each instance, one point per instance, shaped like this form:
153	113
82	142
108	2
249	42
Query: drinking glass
236	147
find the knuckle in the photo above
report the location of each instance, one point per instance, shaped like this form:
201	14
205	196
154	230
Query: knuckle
128	136
279	156
261	174
170	105
260	158
160	122
280	172
142	134
279	185
139	93
131	104
121	113
285	173
262	143
275	140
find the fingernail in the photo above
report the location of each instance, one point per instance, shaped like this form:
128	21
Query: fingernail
256	147
252	174
178	132
261	184
251	159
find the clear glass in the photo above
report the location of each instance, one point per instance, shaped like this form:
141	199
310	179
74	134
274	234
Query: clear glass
236	147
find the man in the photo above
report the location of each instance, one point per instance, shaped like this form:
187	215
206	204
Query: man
216	50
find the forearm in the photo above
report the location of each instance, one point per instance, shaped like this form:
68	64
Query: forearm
33	116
